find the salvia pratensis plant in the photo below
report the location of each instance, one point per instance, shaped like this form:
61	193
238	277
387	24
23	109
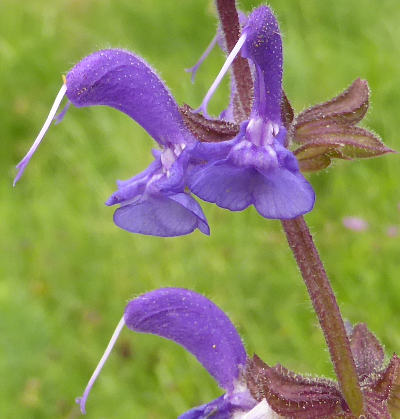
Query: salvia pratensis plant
255	153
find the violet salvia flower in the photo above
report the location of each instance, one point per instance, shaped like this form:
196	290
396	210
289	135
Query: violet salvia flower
197	324
154	202
255	168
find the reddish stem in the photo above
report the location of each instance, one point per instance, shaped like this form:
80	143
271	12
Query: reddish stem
241	70
326	307
300	240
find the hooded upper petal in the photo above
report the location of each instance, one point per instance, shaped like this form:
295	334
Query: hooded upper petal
194	322
122	80
264	47
153	202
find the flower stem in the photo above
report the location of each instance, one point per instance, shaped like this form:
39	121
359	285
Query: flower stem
326	307
230	25
300	239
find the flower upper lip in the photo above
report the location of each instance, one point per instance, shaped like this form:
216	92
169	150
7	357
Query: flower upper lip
198	325
124	81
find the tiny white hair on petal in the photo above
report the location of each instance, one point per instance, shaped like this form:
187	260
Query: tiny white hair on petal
261	411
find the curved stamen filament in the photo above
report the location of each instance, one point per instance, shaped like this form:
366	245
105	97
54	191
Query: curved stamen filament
221	74
205	54
24	162
82	400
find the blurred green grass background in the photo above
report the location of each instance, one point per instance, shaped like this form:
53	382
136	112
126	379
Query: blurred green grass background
66	271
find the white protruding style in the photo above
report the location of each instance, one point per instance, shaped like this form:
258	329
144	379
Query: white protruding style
82	400
221	74
24	162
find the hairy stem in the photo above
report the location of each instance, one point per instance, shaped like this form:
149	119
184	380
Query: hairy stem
230	25
326	307
299	238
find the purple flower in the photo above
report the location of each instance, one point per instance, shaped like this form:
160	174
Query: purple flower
257	168
154	202
254	167
198	325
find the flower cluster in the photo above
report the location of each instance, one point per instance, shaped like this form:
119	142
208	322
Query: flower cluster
253	389
252	168
253	156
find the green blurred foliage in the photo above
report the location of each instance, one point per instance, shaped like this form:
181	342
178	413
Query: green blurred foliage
66	271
